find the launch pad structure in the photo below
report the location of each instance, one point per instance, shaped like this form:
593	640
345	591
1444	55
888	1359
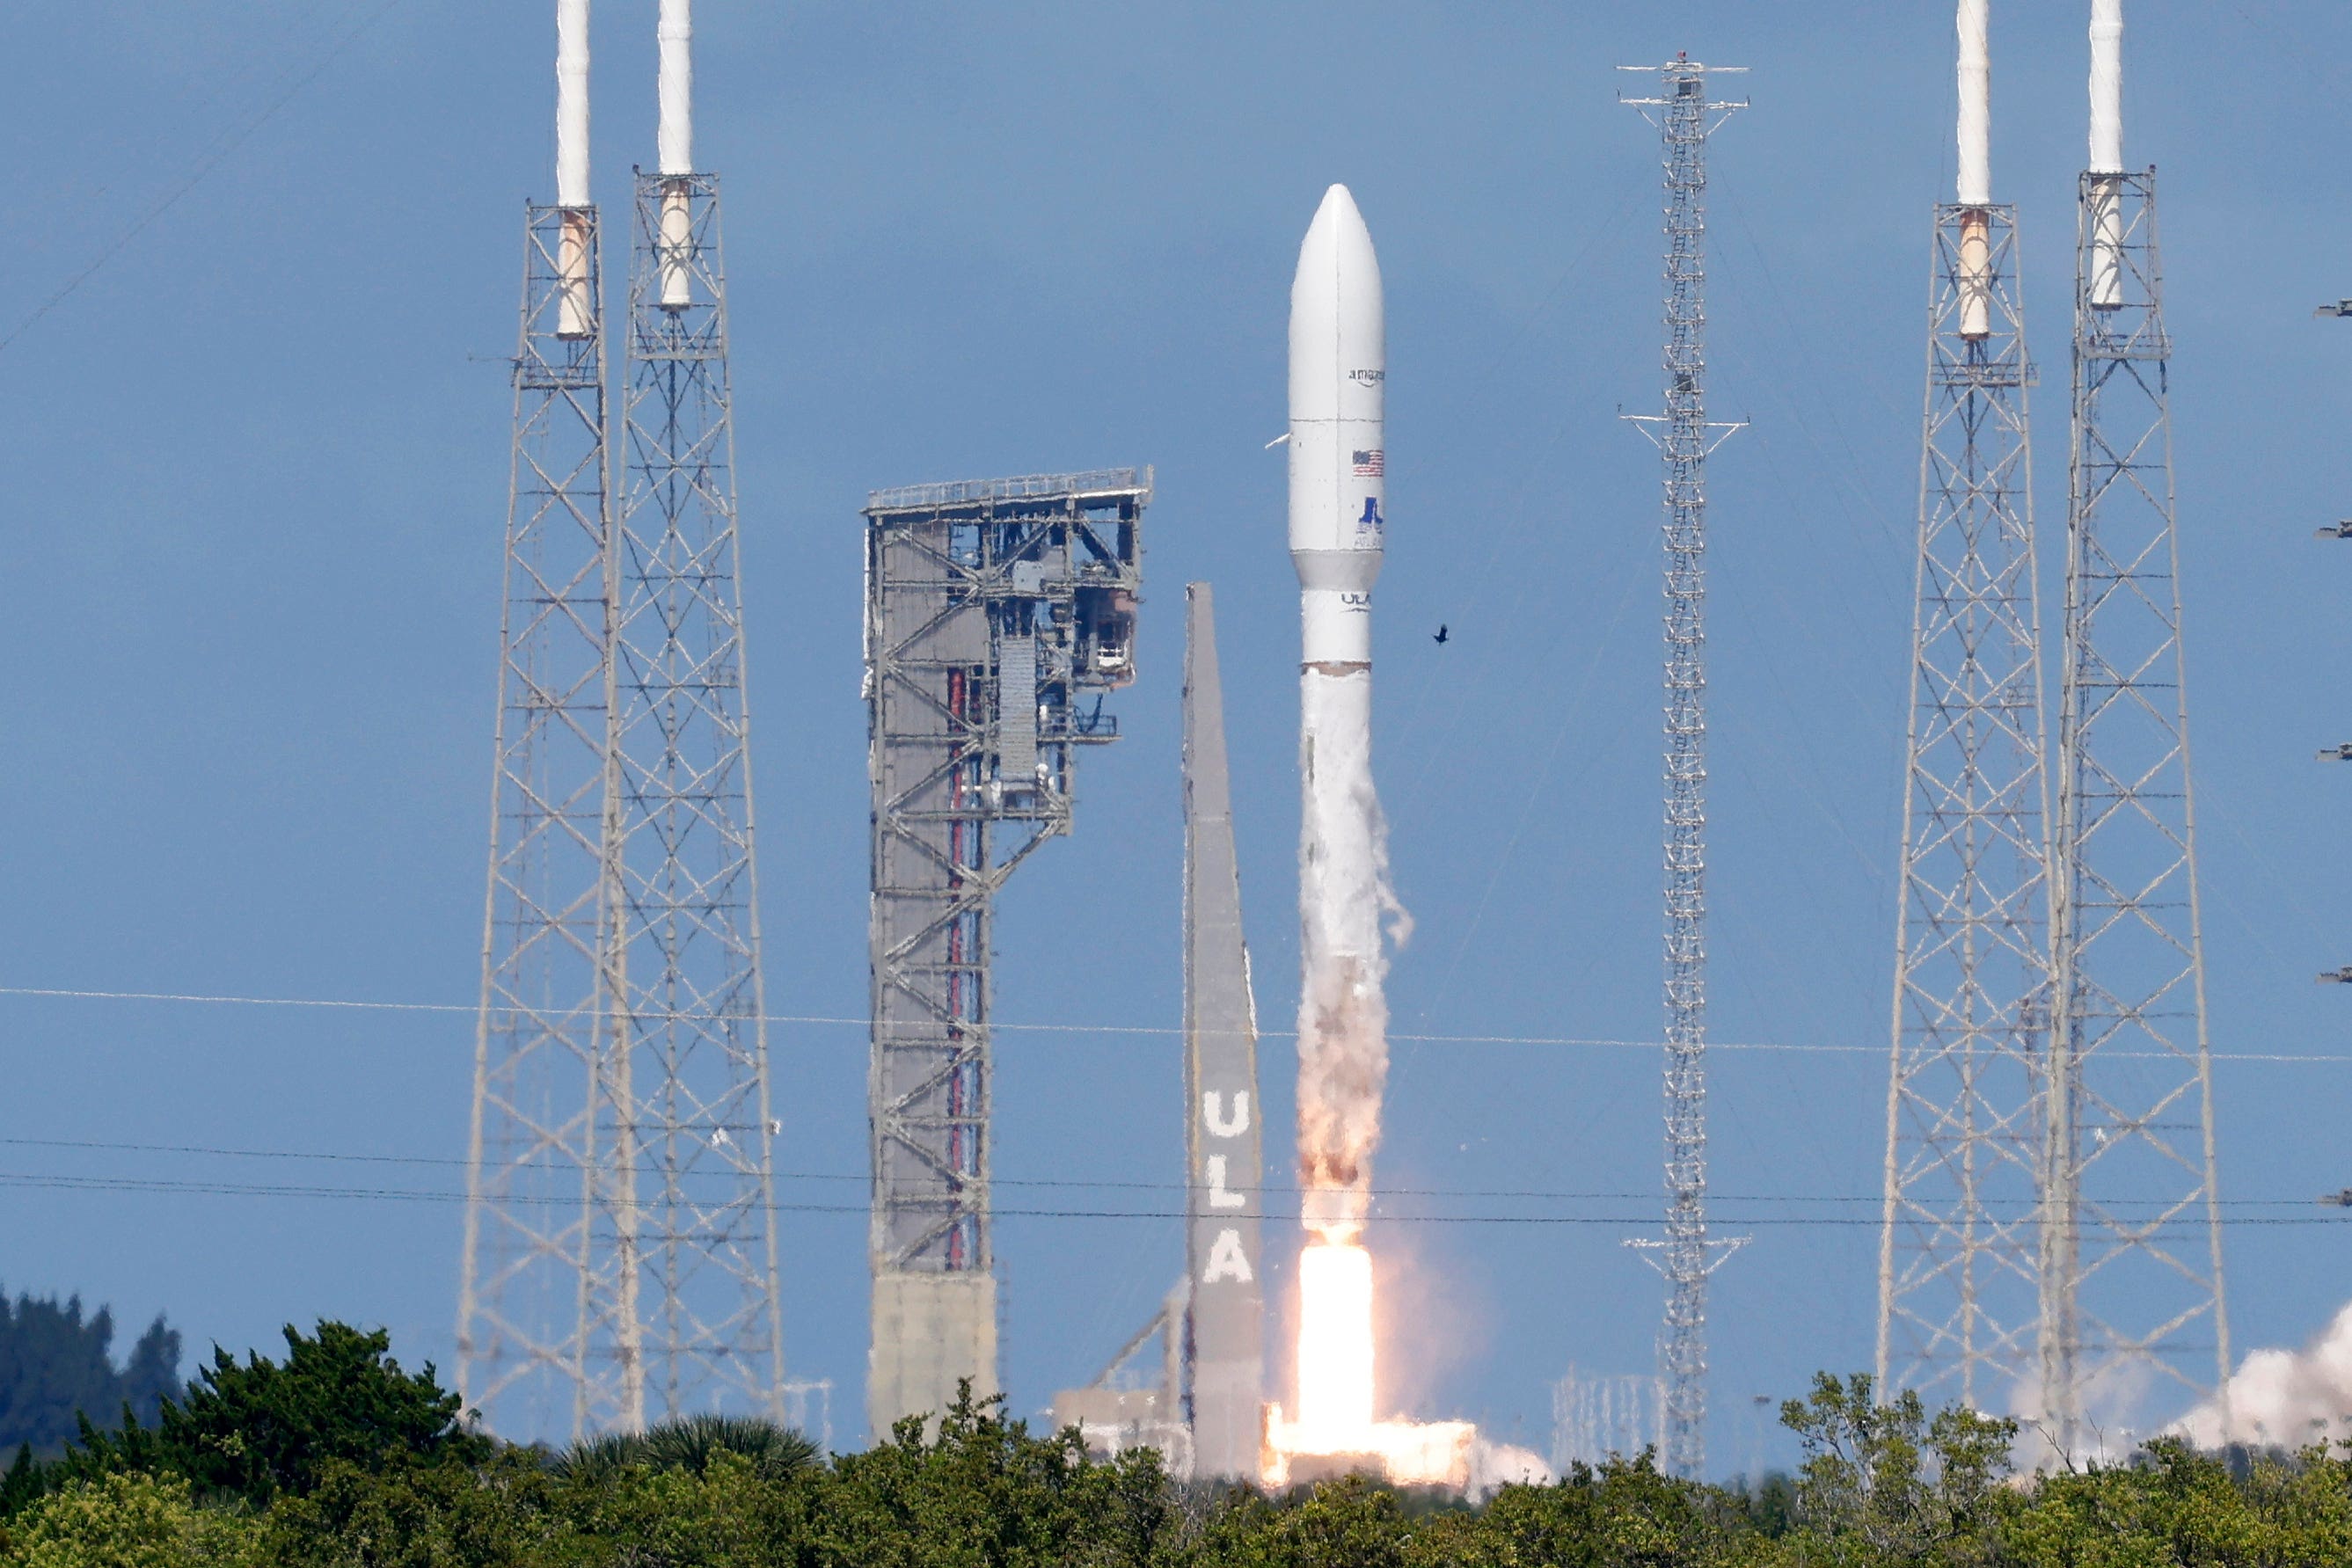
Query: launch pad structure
1203	1409
995	609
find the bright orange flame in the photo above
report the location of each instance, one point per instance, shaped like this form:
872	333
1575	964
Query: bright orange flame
1335	1346
1335	1383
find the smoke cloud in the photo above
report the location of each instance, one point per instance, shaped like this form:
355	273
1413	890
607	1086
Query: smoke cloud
2282	1398
1344	893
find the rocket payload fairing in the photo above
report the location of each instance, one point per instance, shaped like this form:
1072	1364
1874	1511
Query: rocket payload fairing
1338	497
1339	365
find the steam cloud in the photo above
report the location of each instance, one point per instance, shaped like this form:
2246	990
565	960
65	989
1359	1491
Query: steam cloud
1344	892
2283	1397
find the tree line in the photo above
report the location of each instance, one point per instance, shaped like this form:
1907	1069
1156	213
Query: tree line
333	1456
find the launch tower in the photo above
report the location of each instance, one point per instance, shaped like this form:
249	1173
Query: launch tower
688	1011
998	613
1957	1277
1686	116
619	1261
2131	1235
548	1327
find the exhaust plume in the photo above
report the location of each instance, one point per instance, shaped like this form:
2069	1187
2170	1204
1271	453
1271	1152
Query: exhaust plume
2282	1398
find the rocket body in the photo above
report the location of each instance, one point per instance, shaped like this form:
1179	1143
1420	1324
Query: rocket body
1338	496
1338	490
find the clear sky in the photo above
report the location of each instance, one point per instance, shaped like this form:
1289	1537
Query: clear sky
257	465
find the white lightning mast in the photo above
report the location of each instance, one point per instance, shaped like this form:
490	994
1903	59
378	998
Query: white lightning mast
2134	1314
1957	1284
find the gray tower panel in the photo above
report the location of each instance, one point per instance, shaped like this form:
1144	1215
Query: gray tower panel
1225	1342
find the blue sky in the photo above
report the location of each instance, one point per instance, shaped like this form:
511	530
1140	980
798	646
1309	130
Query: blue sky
259	451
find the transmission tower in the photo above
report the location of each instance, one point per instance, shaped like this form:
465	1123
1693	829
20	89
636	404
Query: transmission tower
685	964
994	610
1958	1283
1686	116
548	1329
2132	1233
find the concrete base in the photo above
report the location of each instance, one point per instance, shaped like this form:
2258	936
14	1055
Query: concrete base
930	1331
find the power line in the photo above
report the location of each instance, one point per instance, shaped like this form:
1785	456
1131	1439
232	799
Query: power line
1524	1194
1799	1047
51	1182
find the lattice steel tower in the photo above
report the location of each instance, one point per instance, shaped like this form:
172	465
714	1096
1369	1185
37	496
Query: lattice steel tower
2133	1304
1959	1301
1686	116
620	1256
685	924
992	610
548	1329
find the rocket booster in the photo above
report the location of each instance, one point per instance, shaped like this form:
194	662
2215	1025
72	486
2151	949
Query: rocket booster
1338	361
1337	493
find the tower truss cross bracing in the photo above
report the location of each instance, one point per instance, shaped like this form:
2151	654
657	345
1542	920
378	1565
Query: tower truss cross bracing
1957	1282
547	1333
684	927
1686	116
998	614
2134	1316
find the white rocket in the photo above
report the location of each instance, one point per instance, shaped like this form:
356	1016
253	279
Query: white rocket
1339	494
1338	361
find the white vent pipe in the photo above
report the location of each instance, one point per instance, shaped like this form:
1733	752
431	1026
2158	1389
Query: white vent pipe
676	86
1975	184
2106	283
676	30
1976	106
571	103
575	308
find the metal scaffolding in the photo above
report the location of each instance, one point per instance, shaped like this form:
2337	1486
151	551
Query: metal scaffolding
993	609
547	1317
1958	1280
2131	1233
1685	118
688	1014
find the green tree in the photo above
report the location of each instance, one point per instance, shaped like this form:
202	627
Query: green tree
56	1368
403	1514
1883	1485
261	1427
127	1521
983	1493
690	1443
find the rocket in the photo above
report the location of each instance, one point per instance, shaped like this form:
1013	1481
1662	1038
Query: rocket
1337	501
1338	363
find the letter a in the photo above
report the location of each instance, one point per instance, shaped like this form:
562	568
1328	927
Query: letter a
1227	1261
1212	1113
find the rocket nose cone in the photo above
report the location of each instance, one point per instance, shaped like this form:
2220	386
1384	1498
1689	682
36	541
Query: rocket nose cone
1338	227
1337	254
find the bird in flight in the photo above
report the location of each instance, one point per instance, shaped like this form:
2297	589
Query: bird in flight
1440	636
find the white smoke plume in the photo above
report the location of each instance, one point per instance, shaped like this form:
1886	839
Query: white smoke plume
1344	892
2282	1398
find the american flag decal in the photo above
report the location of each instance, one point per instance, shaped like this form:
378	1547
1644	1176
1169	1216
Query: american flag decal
1371	465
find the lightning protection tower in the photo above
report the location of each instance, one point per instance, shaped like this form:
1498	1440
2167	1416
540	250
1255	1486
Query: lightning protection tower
684	920
994	610
548	1323
1958	1283
2131	1243
1685	116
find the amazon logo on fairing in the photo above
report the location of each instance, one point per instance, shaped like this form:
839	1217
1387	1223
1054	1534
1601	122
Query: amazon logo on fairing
1368	378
